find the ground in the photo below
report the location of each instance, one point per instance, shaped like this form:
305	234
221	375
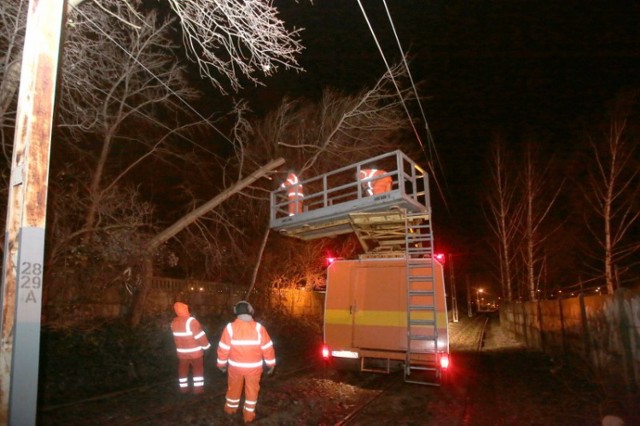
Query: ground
503	384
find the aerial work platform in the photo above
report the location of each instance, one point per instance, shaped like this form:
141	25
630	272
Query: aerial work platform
334	203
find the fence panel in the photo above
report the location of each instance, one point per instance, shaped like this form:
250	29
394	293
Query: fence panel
603	331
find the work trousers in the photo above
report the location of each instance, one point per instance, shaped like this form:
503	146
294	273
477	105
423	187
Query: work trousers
295	205
235	381
197	369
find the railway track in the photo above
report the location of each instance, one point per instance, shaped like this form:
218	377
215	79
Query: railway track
157	403
484	321
352	416
299	393
385	396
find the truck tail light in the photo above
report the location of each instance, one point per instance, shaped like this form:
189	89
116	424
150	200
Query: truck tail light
325	352
444	361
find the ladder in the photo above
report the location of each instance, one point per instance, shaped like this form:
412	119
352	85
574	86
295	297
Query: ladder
422	328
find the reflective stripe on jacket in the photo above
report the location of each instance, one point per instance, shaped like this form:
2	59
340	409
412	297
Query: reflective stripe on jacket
245	345
191	341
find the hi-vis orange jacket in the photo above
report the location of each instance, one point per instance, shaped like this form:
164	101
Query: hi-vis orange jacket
293	186
374	183
191	341
244	345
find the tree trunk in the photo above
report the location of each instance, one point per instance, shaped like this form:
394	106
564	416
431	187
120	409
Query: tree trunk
140	298
258	262
191	217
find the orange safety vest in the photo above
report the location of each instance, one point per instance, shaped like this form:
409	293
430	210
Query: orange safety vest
375	186
245	345
191	341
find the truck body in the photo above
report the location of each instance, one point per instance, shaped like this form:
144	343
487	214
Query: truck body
366	313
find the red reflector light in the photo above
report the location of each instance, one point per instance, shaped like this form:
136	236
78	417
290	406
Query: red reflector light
444	361
325	351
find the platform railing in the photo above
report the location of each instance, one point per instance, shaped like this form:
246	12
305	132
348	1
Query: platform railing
342	185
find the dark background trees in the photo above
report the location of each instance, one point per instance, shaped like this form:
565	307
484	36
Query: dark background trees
144	138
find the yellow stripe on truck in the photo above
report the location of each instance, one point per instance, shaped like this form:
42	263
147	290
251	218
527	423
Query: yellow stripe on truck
337	316
378	318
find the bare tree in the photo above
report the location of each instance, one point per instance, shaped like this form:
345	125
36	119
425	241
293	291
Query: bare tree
12	30
612	191
126	220
318	137
226	39
503	215
113	79
120	72
539	195
236	39
13	14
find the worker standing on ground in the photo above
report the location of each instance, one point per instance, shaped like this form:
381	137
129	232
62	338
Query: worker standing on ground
294	193
373	183
191	342
244	345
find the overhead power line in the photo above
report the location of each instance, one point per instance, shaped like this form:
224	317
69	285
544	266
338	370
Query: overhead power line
430	141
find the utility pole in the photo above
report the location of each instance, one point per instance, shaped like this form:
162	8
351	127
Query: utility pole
26	215
469	309
454	298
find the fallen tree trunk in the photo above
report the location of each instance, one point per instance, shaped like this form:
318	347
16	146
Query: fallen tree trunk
140	298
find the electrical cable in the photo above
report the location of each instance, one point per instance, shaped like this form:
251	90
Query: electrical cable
406	109
430	141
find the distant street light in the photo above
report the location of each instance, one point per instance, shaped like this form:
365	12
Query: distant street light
478	291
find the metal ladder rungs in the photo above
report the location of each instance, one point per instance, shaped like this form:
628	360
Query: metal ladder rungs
421	368
421	292
418	244
422	337
418	239
421	308
422	322
419	260
420	250
420	278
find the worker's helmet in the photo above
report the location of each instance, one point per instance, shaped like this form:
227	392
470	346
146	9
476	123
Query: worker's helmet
243	307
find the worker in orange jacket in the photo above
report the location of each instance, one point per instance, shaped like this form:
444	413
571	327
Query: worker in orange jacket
191	342
245	346
294	193
373	183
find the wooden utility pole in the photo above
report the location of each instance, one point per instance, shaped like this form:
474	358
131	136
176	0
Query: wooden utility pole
454	291
26	215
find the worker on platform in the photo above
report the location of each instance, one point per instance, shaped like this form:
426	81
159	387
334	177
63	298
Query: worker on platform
191	342
294	193
244	346
373	182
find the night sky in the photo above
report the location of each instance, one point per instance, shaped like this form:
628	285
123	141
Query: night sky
527	69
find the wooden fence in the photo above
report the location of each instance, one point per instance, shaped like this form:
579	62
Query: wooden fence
205	298
601	331
219	298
